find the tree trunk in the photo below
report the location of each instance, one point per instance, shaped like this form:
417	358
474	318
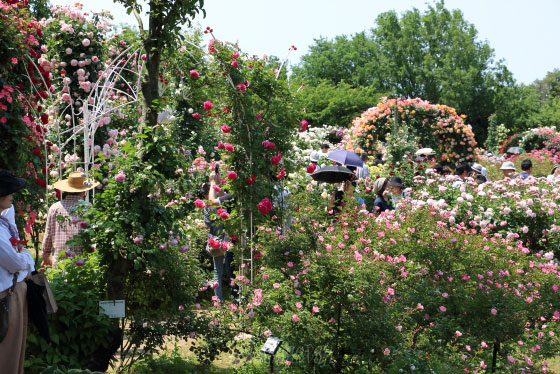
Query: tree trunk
116	278
150	80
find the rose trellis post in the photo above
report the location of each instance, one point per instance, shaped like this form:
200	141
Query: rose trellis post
258	121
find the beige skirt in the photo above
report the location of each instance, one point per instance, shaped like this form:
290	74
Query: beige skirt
12	348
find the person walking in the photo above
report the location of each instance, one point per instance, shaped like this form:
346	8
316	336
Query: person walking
16	263
216	234
60	227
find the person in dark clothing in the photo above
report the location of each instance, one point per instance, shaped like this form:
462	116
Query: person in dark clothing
380	189
526	168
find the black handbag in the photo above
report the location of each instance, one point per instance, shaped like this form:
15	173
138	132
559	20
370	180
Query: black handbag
5	309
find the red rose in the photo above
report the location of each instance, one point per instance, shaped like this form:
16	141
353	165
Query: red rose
276	159
40	182
304	125
231	175
44	118
311	168
268	144
226	129
265	206
252	179
282	174
196	115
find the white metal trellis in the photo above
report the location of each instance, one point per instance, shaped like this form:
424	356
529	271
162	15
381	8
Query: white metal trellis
99	104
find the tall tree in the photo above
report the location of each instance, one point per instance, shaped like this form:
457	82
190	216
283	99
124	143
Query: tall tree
165	19
435	55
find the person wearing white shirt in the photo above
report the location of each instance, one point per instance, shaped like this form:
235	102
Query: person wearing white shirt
363	171
16	263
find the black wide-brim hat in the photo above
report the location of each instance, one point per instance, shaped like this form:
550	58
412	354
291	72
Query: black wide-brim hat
10	183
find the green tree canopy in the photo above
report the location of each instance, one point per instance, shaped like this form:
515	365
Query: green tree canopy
435	55
335	105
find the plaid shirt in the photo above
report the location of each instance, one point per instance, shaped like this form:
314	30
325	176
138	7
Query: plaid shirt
58	232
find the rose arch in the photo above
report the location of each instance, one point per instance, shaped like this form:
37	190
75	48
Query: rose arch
437	126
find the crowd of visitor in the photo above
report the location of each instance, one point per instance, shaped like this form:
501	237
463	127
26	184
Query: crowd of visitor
17	263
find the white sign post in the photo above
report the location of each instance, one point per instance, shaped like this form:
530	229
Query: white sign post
112	308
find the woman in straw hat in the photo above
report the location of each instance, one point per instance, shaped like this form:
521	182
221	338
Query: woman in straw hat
16	263
58	232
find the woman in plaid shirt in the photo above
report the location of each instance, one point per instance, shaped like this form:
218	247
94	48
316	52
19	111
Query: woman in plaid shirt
59	231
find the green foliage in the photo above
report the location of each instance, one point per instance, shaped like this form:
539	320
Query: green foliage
77	329
496	133
187	94
435	55
40	8
55	370
335	104
344	59
169	362
411	292
257	107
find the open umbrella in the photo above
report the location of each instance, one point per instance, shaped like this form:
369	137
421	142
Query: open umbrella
347	158
515	150
332	174
425	151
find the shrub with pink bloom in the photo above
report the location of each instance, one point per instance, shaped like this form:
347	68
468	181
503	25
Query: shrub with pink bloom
440	127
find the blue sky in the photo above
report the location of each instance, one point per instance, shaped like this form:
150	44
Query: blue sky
524	33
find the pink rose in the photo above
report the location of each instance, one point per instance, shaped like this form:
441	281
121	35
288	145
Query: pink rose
120	176
208	105
231	175
295	317
86	42
234	64
226	129
229	147
304	125
194	74
196	115
241	87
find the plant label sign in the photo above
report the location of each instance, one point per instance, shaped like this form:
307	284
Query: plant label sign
112	308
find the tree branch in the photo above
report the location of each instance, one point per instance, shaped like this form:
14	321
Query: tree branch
138	18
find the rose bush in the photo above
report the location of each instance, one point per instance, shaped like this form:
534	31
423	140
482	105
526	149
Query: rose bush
438	126
406	290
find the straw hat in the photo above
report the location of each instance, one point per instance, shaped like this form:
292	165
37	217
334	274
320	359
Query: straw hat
76	182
